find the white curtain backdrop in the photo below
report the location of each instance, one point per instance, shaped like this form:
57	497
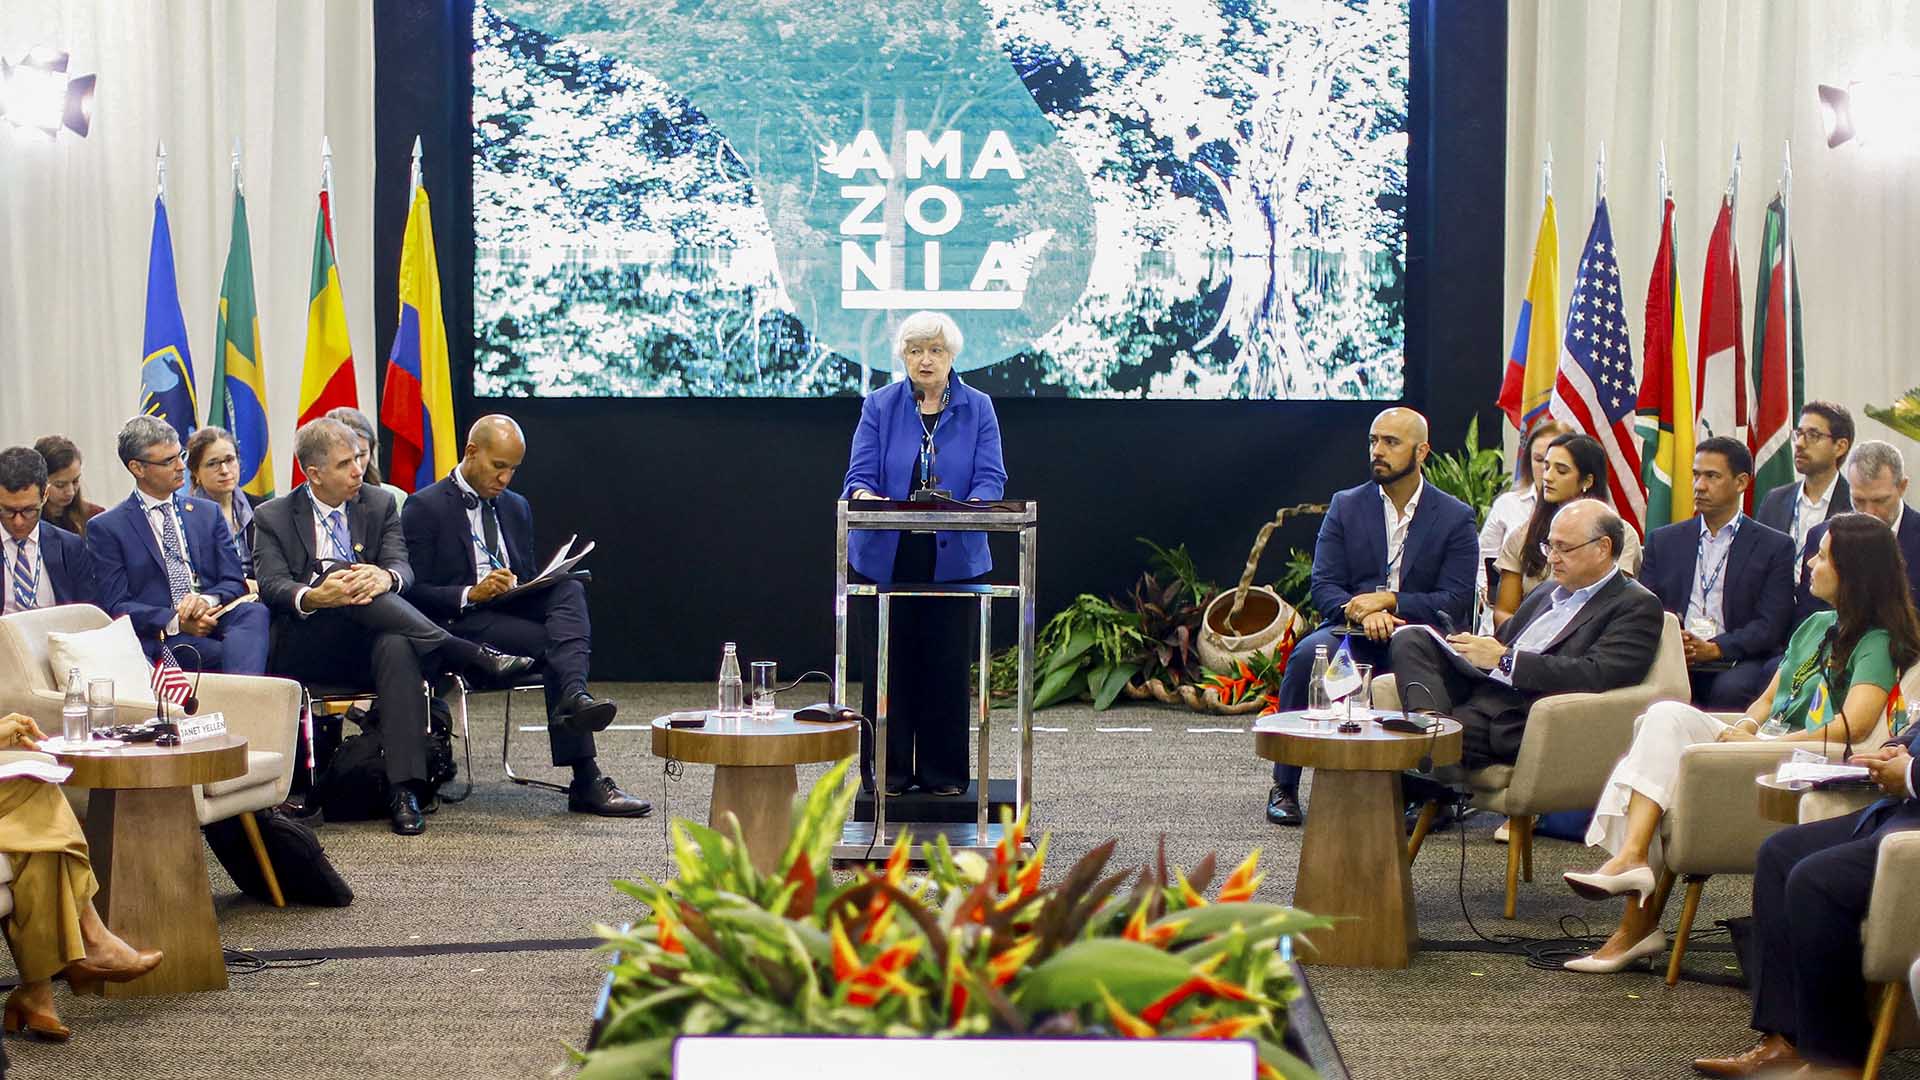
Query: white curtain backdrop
76	215
1701	75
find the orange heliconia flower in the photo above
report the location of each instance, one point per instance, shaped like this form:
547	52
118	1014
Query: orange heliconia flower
1233	1027
1242	883
868	983
1202	982
1125	1022
1138	930
669	941
1005	966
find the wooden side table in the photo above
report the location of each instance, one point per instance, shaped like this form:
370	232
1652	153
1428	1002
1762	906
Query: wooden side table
1779	801
1353	859
145	844
753	774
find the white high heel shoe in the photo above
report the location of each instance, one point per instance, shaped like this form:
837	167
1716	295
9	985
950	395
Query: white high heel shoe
1652	945
1638	880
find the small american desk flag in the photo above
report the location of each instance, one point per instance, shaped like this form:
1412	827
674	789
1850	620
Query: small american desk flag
169	681
1595	390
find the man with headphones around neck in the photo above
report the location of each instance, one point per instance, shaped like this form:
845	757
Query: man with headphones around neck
471	540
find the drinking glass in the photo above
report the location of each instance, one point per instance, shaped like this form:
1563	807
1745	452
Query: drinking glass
1363	695
763	681
100	715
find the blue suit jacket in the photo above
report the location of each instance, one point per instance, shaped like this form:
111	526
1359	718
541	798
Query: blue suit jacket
440	544
69	567
886	459
1776	509
1805	603
131	579
1758	584
1436	567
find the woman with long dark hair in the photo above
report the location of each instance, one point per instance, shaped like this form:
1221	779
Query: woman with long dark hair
1575	468
66	506
1829	691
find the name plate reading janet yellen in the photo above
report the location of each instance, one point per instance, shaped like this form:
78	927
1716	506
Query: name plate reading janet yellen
195	728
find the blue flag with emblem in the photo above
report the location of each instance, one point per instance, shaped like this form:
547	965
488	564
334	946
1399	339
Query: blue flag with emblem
166	367
1342	677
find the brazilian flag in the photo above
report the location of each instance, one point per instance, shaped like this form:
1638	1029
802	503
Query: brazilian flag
239	371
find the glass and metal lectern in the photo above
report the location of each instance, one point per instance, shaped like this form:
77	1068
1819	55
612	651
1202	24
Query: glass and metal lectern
863	839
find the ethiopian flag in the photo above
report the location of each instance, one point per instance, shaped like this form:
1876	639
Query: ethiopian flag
239	401
1779	373
416	403
326	374
1665	410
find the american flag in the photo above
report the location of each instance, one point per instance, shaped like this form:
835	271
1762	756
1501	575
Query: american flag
169	682
1595	389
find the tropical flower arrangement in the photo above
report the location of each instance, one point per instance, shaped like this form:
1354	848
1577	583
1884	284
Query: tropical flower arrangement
974	946
1255	679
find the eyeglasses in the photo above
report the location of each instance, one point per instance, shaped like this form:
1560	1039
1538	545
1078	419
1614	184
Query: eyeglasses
26	514
166	462
1807	434
1549	549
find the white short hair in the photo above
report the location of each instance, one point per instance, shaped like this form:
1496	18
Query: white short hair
925	326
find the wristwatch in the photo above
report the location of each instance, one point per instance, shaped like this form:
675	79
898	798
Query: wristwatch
1506	662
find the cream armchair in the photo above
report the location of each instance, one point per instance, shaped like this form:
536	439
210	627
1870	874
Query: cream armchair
1891	935
262	709
1570	746
1714	825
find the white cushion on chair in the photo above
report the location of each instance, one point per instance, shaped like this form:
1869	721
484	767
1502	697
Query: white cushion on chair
111	652
263	767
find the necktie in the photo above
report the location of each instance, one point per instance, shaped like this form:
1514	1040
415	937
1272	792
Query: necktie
25	588
174	555
490	526
337	532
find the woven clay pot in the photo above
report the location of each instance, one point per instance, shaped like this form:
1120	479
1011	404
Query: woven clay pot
1262	621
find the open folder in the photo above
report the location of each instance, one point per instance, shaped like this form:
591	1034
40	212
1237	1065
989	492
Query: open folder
1460	663
558	569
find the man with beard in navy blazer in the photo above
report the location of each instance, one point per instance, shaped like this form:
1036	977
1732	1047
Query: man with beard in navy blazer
1390	552
471	539
167	561
44	565
1728	578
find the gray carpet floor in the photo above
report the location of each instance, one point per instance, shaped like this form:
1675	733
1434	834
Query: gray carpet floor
511	865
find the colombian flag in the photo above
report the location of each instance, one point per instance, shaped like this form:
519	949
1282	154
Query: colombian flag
326	375
239	374
1535	356
417	402
166	367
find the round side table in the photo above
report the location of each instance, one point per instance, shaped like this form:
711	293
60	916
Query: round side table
1353	859
144	839
1779	801
753	763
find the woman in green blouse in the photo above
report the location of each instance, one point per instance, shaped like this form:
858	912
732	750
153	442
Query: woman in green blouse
1829	691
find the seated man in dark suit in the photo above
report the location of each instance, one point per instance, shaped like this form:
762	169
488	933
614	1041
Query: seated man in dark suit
1588	628
1820	444
471	539
167	562
1392	551
1810	892
1877	475
45	564
1729	579
332	565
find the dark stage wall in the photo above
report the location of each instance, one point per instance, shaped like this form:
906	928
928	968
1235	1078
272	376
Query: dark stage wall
715	517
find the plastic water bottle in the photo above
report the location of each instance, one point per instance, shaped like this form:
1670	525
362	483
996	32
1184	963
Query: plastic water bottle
73	711
732	690
1318	705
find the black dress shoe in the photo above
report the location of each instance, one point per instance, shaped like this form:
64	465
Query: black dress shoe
500	667
585	714
407	819
602	796
1283	806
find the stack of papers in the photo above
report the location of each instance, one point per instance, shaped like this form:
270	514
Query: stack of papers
1812	772
35	770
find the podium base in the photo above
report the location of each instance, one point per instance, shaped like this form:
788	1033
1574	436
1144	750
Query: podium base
857	842
918	806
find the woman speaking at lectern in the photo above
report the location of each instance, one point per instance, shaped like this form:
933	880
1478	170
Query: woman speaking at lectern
930	432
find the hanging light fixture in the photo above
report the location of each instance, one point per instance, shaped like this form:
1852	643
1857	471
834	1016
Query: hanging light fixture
1875	112
37	95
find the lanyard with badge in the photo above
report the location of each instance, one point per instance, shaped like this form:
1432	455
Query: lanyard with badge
1706	626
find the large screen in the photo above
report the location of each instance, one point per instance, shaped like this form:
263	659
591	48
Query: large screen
1203	199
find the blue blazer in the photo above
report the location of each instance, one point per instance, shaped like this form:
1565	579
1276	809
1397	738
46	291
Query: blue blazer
440	544
1776	509
886	459
1805	603
1436	567
69	567
131	579
1757	596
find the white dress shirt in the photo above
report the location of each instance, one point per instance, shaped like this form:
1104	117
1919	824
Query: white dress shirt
323	545
484	561
153	509
1708	600
1398	522
36	559
1541	631
1810	512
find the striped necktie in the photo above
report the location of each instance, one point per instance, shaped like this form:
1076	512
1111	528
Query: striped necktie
26	588
174	554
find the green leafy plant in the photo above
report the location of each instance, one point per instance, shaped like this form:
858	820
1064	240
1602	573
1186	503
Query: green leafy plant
974	947
1474	475
1092	647
1177	565
1170	618
1296	585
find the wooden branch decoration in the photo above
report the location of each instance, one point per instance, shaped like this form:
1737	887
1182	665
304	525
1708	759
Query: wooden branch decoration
1260	547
